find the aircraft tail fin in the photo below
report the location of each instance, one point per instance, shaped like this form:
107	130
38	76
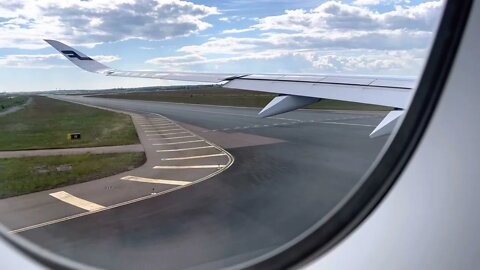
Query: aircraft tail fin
78	58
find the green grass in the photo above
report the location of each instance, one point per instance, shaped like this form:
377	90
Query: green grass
8	102
44	124
26	175
228	97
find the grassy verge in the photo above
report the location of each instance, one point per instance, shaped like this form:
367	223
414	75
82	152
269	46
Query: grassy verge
8	102
26	175
45	123
228	97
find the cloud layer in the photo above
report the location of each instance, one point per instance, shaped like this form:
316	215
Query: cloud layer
44	60
334	37
25	23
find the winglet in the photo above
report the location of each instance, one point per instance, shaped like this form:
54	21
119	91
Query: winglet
78	58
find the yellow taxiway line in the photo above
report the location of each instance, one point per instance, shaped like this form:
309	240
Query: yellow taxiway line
75	201
155	181
218	166
195	157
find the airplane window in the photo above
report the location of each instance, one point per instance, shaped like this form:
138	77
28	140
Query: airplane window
195	134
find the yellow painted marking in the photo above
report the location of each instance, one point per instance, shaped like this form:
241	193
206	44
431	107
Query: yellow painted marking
147	131
156	181
75	201
184	149
192	167
172	138
173	143
195	157
135	200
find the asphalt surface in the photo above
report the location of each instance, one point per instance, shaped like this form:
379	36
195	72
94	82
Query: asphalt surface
289	171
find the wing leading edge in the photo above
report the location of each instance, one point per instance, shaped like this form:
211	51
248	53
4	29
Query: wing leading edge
296	91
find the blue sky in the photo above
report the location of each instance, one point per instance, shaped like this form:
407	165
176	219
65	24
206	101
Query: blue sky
371	37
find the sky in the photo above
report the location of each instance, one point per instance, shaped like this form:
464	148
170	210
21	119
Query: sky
361	37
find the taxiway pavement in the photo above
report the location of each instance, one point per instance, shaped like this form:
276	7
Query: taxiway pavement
289	172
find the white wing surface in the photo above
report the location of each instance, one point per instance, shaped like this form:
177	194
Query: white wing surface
295	90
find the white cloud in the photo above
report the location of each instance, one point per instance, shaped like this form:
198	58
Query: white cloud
379	2
44	61
237	31
333	15
26	22
106	58
366	2
176	59
234	18
367	61
384	41
228	45
388	62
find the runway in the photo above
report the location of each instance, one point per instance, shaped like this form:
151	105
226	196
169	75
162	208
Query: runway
289	171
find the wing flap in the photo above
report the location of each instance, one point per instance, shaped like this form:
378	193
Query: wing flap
376	95
176	76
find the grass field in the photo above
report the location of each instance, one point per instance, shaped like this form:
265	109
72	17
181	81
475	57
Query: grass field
45	123
228	97
8	102
25	175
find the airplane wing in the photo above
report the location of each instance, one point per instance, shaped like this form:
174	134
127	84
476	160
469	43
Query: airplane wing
295	90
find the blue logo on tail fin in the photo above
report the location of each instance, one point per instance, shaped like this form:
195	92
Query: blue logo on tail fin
73	54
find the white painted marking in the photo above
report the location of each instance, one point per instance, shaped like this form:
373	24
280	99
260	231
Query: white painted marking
153	131
155	181
160	122
191	167
174	133
185	149
159	119
161	127
158	125
173	143
172	138
195	157
347	124
75	201
236	114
